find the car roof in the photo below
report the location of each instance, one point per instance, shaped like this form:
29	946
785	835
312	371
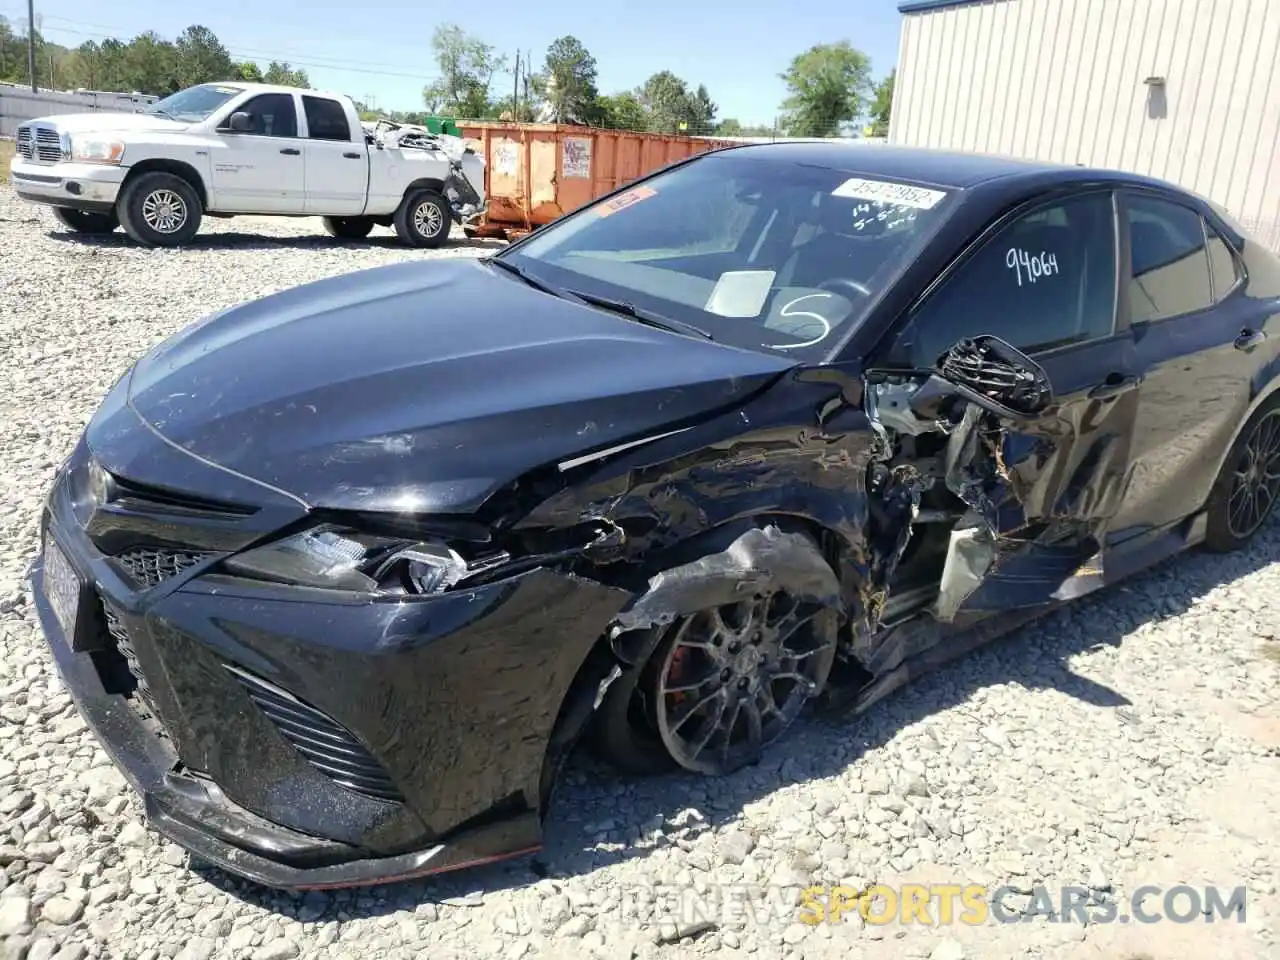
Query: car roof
943	168
271	88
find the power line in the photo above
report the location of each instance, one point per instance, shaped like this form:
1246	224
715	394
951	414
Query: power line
105	32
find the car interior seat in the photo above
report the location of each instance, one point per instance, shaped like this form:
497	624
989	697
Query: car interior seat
839	249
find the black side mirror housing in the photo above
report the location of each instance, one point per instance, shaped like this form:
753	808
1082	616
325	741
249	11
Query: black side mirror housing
989	373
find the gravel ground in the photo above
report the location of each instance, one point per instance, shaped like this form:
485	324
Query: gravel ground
1130	740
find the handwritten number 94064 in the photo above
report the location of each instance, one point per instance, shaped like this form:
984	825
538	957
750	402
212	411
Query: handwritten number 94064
1030	267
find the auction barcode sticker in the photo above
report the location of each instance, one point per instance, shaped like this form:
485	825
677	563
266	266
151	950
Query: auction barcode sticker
886	191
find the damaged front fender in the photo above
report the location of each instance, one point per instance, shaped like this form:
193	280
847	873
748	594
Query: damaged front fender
760	560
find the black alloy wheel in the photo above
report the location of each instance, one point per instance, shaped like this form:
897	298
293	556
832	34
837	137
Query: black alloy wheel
1255	478
729	681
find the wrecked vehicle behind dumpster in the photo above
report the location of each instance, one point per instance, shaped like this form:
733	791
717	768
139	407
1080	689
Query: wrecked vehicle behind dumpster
776	423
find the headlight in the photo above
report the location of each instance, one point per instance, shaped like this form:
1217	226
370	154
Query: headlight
96	150
337	558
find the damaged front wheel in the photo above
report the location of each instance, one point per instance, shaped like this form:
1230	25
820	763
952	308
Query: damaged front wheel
732	679
719	686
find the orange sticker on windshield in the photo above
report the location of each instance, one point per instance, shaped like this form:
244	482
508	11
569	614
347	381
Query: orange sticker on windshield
624	200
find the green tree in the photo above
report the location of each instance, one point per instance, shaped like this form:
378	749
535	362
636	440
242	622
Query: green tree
828	87
151	65
10	63
707	109
15	57
247	72
621	111
201	57
467	66
882	107
570	73
673	108
283	75
112	55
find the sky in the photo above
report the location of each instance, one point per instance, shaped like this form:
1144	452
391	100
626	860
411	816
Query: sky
380	50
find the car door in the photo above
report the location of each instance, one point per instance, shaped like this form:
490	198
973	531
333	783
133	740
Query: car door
1040	489
261	170
1196	342
337	168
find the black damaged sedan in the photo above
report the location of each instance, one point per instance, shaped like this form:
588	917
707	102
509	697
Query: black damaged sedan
341	575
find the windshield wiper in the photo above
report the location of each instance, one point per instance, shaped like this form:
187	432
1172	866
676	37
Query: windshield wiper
525	275
628	309
162	113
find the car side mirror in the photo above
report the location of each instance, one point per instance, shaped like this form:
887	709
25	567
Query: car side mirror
240	122
990	374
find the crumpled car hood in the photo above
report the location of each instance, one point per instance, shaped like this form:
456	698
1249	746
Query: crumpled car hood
424	386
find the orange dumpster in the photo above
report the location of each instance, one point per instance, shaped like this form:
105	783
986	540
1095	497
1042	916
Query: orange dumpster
537	172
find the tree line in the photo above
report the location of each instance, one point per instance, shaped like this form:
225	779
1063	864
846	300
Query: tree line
146	64
830	90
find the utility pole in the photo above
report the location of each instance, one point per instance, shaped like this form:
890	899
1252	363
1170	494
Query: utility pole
515	91
31	43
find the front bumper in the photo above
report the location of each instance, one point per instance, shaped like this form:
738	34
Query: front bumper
454	699
91	187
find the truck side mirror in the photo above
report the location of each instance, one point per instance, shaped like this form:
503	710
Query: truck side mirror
240	122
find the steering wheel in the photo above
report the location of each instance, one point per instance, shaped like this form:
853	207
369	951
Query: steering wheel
839	284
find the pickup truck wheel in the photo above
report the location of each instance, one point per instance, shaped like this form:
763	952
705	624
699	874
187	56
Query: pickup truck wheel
78	221
348	228
423	219
159	210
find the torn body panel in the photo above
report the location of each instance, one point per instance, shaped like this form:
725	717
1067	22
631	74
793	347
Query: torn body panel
760	559
1038	477
957	499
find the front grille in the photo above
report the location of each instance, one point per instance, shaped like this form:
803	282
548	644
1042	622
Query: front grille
148	566
326	744
142	699
39	143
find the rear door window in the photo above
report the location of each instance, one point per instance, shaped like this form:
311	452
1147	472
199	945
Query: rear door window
1224	267
326	120
1170	260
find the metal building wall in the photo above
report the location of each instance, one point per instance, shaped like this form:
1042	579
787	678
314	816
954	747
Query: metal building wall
1065	80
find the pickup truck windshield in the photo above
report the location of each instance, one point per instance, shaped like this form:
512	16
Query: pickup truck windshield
760	253
195	103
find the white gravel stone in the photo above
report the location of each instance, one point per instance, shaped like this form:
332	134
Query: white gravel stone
15	916
62	910
1131	738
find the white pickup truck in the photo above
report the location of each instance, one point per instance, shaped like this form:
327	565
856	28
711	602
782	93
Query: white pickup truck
222	149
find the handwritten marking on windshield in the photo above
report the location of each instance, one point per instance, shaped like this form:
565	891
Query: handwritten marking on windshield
865	214
1033	266
786	312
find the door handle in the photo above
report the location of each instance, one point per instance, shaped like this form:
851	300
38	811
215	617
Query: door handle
291	151
352	156
1114	385
1249	339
